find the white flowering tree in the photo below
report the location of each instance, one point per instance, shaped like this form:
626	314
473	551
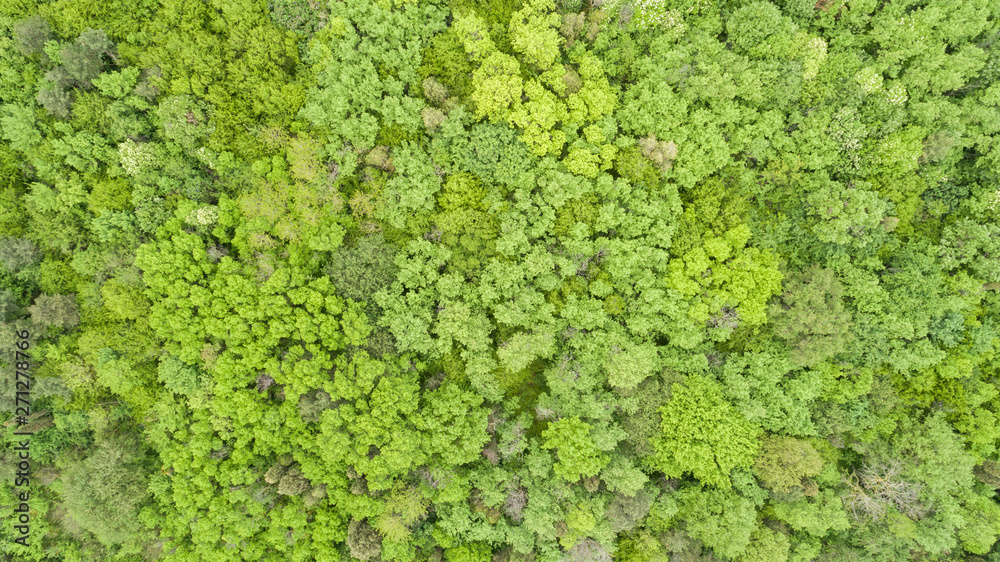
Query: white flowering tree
203	216
137	158
650	14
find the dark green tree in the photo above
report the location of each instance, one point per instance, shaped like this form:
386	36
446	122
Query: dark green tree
103	493
810	316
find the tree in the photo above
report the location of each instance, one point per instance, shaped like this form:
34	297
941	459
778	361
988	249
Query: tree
300	16
55	99
445	59
351	99
723	274
57	311
766	389
537	117
411	189
578	455
473	35
82	60
631	364
720	519
786	463
811	316
119	84
496	86
845	215
496	155
363	541
359	270
32	34
9	306
625	512
403	508
455	424
178	376
817	515
18	253
974	245
533	32
17	125
185	120
104	492
767	545
760	29
293	483
982	527
661	153
703	434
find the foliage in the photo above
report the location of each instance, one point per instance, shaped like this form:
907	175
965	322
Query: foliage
704	435
784	463
104	492
361	269
502	280
811	317
58	311
578	457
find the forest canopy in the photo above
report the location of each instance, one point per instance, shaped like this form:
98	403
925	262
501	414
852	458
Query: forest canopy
497	281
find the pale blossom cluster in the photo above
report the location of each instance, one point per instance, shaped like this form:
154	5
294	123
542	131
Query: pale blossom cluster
869	80
206	156
896	94
846	128
890	150
672	21
699	6
910	23
136	157
203	216
648	14
993	200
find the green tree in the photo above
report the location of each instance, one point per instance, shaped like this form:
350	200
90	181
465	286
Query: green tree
720	519
578	455
185	120
811	316
363	541
119	84
103	493
496	86
785	463
16	254
178	376
766	390
17	125
55	99
82	59
59	311
767	545
701	433
32	34
760	29
455	424
533	32
973	245
817	515
359	270
845	215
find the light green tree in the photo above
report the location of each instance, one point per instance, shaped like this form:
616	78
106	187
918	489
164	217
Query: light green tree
703	434
578	455
534	33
